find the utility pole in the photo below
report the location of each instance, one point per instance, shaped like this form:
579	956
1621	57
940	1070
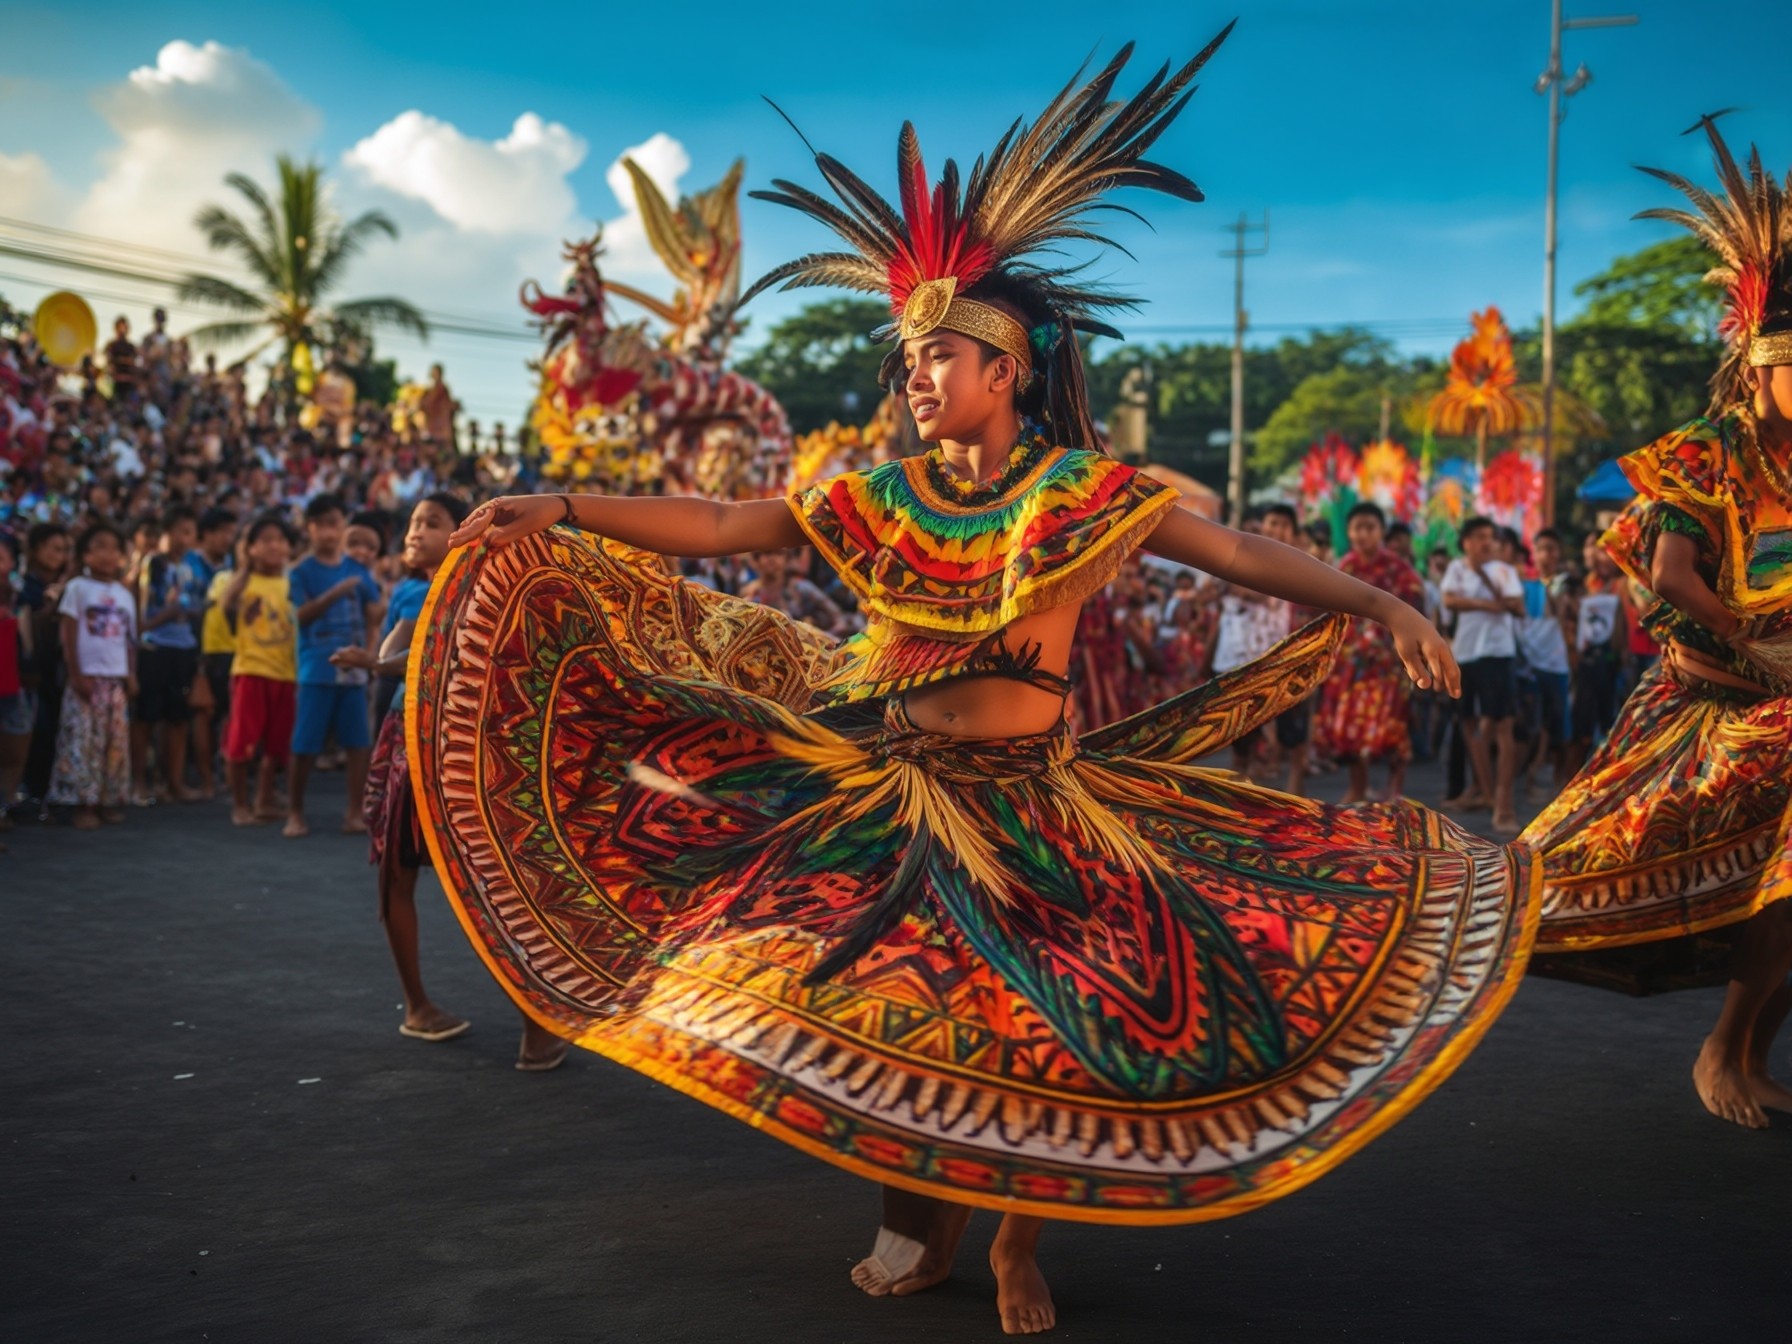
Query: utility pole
1235	475
1552	83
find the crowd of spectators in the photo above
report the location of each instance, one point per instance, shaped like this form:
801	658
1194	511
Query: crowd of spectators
1550	639
192	533
133	489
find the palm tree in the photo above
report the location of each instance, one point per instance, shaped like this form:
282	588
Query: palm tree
297	251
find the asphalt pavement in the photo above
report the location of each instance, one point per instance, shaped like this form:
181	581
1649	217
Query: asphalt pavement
214	1132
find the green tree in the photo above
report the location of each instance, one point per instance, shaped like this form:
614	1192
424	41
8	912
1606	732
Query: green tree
297	249
1345	399
1660	288
1191	405
820	362
1639	381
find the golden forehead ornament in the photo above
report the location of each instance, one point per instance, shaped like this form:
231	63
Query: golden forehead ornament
934	305
1773	348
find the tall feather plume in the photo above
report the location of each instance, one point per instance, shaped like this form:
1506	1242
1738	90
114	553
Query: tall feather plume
1033	193
1748	224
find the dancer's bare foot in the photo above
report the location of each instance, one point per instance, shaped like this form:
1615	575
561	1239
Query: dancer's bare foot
915	1246
244	816
1021	1295
1761	1033
353	826
1505	824
938	1253
1769	1093
1724	1088
296	827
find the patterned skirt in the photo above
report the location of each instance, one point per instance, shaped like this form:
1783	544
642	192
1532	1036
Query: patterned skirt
1087	979
1362	714
388	807
1675	830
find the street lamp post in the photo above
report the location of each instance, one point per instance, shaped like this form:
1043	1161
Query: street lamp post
1558	89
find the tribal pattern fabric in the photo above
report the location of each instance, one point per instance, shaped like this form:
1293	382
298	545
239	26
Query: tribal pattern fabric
1362	708
1712	481
1083	979
1678	825
940	569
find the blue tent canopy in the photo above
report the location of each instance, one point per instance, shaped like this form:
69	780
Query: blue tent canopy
1607	485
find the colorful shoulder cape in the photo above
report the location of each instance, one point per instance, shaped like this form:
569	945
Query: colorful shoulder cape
942	569
1710	480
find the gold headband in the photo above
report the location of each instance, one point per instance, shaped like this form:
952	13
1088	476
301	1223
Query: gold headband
1774	348
934	304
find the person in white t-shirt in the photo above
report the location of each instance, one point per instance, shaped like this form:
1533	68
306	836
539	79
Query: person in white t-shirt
1487	598
99	647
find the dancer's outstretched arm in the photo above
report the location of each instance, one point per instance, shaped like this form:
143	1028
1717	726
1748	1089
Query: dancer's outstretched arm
1281	571
685	527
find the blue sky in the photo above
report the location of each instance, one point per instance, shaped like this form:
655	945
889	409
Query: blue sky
1398	146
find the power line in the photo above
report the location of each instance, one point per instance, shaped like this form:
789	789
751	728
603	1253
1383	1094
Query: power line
484	327
109	247
43	257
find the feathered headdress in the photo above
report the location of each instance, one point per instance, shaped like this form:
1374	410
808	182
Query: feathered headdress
954	244
1750	228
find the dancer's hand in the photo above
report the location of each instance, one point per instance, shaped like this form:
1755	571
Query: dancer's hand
1425	653
510	518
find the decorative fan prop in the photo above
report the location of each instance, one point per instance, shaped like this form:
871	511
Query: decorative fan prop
1481	396
1511	492
1330	476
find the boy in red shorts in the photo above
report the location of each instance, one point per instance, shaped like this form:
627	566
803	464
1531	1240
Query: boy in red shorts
264	672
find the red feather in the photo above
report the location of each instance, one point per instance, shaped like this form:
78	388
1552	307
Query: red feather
1748	304
935	246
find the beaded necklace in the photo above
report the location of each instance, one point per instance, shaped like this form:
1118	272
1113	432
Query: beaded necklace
1028	452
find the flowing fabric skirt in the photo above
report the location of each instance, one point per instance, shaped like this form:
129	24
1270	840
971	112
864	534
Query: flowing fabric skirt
1084	979
1675	829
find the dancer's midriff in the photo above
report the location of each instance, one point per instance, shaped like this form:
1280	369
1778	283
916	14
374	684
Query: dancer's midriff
1000	706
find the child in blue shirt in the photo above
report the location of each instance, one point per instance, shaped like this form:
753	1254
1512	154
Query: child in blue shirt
333	598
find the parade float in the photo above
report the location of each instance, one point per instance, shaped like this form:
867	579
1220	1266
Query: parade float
627	410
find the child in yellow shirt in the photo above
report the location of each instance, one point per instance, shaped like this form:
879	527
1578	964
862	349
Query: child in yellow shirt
264	672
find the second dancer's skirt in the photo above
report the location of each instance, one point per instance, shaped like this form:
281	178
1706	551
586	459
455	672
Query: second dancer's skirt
1674	833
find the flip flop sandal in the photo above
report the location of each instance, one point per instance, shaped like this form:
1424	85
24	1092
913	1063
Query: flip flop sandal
447	1033
545	1063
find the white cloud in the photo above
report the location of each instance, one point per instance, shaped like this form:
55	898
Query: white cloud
198	113
516	185
28	190
476	217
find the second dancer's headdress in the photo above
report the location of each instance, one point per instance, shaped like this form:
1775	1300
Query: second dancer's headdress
1749	226
963	257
